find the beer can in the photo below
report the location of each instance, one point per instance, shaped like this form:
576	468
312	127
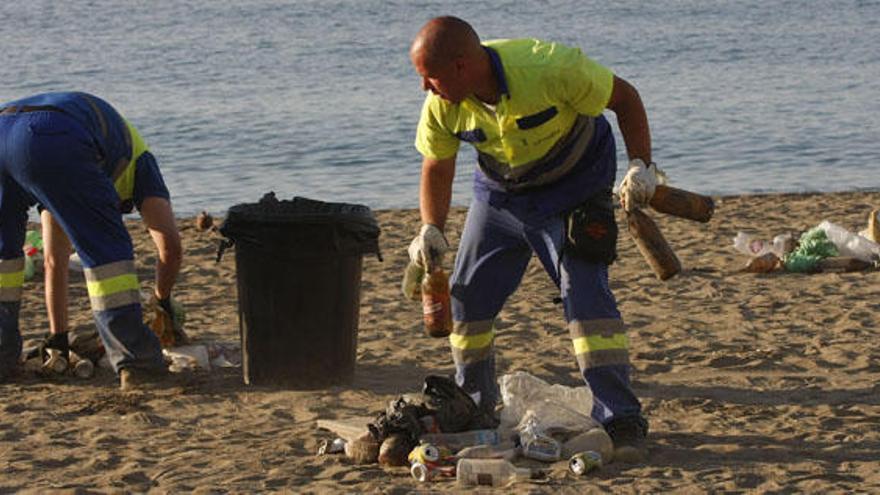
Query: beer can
584	462
425	454
420	472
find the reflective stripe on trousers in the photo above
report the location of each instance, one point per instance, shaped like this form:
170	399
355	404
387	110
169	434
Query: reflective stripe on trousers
11	279
112	285
11	284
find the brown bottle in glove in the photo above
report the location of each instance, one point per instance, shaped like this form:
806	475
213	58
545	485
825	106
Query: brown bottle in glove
436	304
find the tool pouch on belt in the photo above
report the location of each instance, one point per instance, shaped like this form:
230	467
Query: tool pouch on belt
591	230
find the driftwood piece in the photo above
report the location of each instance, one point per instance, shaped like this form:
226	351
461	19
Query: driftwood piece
683	204
652	244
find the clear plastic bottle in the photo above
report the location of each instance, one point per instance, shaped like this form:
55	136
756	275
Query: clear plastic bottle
508	452
489	472
458	441
436	304
535	443
542	448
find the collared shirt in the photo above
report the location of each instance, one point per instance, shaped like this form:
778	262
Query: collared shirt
546	147
543	88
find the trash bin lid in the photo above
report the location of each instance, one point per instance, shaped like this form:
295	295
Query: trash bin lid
303	226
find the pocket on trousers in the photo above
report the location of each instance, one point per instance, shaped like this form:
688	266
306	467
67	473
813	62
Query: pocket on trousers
54	130
591	230
48	124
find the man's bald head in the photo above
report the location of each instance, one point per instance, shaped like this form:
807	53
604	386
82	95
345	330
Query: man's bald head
444	39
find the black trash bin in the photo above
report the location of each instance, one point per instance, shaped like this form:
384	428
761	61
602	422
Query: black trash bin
298	269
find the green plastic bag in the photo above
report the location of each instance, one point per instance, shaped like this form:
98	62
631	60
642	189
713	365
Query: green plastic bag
814	246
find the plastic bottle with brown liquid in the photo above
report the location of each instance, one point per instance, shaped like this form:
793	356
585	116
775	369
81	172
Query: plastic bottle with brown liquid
436	306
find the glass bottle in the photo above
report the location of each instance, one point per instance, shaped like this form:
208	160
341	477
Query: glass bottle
462	439
436	305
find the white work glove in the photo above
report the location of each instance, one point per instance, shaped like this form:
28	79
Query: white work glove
637	187
427	249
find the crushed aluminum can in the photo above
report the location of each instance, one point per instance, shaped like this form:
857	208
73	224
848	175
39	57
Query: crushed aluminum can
420	472
331	447
429	472
425	454
585	462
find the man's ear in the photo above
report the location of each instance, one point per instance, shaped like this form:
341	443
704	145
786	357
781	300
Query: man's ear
460	64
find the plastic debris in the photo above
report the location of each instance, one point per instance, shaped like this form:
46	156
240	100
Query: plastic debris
814	245
335	446
749	245
536	444
201	357
850	244
556	407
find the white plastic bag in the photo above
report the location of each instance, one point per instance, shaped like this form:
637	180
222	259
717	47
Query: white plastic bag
188	357
850	244
751	246
555	407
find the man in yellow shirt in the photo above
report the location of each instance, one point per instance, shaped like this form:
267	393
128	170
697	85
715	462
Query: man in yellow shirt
546	167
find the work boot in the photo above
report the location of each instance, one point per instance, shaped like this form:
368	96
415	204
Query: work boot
132	379
629	435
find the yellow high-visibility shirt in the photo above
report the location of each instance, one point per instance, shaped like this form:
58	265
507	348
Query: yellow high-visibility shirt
544	87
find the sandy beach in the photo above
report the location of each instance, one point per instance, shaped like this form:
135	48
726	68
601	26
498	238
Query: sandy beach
751	382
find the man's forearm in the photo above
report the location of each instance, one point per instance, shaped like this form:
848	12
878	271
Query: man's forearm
632	120
436	191
56	259
166	276
159	219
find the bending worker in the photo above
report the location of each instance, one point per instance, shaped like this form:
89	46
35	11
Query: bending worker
82	162
533	111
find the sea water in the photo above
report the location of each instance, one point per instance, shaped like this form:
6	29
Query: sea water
318	98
